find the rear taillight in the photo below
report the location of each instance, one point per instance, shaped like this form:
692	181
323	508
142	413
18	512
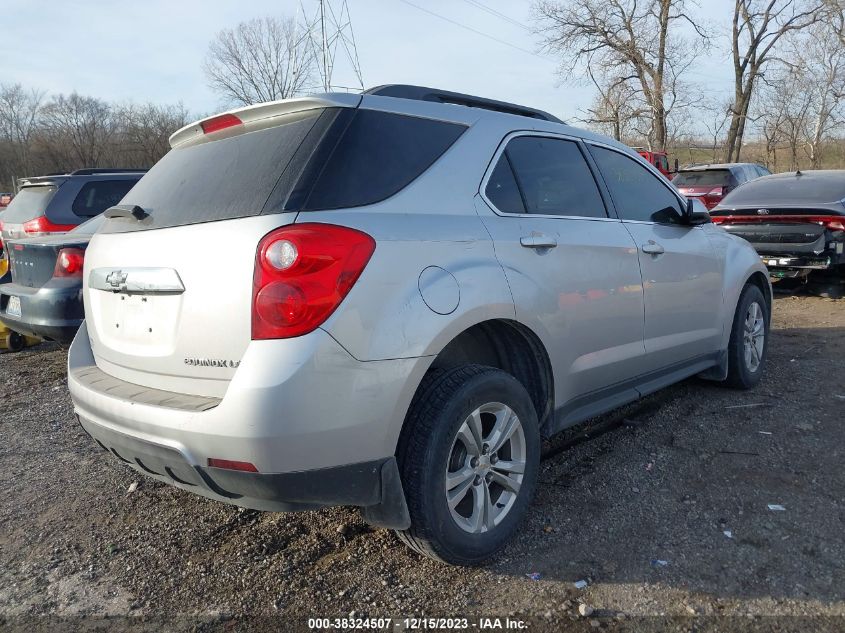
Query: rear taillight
713	197
215	124
835	223
41	226
302	273
830	222
69	263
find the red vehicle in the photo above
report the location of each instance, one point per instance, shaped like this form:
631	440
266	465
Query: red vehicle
659	159
711	183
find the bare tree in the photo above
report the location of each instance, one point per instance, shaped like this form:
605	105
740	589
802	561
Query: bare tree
260	60
715	115
145	131
19	112
820	67
77	131
615	107
769	112
635	38
757	27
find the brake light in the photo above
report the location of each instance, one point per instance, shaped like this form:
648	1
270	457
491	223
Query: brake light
69	263
41	226
833	224
230	464
302	274
215	124
713	197
830	222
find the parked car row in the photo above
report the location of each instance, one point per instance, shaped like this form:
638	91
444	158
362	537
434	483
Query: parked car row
43	236
381	300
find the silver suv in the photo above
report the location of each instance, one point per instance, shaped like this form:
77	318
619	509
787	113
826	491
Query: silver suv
385	300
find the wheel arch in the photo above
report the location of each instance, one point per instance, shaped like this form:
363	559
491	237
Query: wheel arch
507	345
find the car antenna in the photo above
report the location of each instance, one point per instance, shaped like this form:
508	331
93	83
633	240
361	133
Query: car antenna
798	172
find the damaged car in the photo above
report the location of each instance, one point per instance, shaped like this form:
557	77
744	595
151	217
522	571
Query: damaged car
795	221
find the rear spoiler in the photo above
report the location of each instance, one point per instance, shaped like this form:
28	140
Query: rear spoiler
269	110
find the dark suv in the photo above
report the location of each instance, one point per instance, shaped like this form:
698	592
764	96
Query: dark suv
59	202
711	183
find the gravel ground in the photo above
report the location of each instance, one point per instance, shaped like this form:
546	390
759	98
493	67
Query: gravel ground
660	507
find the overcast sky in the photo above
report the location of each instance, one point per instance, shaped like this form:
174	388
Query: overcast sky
152	50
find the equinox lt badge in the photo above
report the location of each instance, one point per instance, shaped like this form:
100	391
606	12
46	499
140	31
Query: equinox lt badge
212	362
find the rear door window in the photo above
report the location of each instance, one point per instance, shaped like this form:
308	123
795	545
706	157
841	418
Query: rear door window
30	203
378	155
552	176
97	196
637	193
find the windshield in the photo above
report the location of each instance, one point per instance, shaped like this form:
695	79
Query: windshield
30	203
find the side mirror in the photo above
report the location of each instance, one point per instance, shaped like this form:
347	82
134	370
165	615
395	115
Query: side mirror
696	212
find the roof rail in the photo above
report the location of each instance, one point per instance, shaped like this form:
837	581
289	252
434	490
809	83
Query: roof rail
420	93
90	171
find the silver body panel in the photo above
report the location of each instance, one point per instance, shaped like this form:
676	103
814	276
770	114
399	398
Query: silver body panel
445	260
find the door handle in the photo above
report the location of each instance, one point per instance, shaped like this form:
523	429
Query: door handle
538	241
653	248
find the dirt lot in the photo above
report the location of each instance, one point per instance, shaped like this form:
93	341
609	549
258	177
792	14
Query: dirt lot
661	507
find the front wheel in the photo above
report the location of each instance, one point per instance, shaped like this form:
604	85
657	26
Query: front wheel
469	459
749	339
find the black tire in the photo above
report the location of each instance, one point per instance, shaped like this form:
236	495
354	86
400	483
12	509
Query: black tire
740	374
16	341
428	448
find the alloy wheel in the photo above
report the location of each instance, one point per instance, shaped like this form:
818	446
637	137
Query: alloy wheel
486	467
754	336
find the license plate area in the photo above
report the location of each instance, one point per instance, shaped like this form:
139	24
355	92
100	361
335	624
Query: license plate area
136	324
134	318
13	307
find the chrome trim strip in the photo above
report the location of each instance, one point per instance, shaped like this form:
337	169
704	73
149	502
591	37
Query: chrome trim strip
136	280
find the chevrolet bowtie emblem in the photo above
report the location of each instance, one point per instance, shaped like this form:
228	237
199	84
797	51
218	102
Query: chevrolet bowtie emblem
117	278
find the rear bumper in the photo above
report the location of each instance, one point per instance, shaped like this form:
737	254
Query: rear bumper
778	247
357	484
53	312
780	262
321	431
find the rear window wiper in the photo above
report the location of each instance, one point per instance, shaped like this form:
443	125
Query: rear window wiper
126	211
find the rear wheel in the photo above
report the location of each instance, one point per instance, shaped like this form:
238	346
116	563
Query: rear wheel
469	459
749	339
16	341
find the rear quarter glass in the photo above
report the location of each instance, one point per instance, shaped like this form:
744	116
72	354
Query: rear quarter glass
377	155
30	203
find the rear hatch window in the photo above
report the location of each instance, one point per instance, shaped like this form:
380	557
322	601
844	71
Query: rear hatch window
319	159
217	179
30	203
702	178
